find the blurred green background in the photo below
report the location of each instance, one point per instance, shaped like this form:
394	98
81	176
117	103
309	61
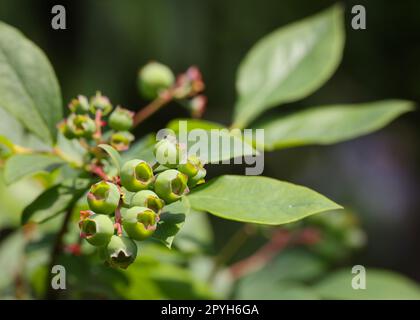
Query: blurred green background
377	176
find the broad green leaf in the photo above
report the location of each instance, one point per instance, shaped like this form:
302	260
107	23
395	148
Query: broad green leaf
171	220
330	124
55	200
14	131
114	155
141	149
215	142
192	124
257	199
22	165
380	285
210	141
215	146
4	141
289	64
29	89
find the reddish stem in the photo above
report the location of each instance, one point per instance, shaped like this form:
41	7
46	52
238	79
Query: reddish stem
280	240
152	107
118	221
98	122
99	172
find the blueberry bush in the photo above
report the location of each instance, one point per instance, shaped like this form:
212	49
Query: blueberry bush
126	222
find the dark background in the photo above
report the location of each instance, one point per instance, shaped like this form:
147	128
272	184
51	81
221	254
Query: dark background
376	176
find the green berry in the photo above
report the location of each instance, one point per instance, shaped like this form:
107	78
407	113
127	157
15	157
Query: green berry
100	103
194	169
121	140
103	197
153	78
97	229
121	119
198	178
65	130
79	105
168	152
148	199
136	175
191	167
120	252
80	126
171	185
140	222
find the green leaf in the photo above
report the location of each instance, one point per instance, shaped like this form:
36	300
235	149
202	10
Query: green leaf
257	199
17	134
4	141
171	220
22	165
380	285
217	146
330	124
29	89
289	64
192	124
217	143
55	200
114	155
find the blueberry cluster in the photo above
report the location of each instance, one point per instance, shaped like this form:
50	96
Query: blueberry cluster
86	120
129	207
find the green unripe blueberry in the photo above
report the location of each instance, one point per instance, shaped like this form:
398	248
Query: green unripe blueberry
191	166
140	222
103	197
120	252
136	175
121	119
100	103
198	178
97	229
171	185
80	126
153	78
168	152
121	140
79	105
148	199
194	169
65	130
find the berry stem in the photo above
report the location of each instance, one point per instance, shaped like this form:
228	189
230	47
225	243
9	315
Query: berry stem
118	221
163	99
278	242
98	121
231	247
99	172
